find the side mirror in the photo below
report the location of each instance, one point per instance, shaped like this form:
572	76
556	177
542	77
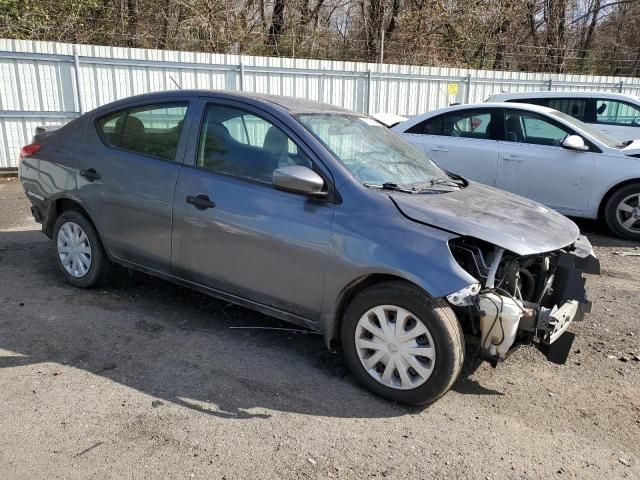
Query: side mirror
574	142
299	179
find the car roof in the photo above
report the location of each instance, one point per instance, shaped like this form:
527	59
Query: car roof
404	126
561	94
290	104
467	106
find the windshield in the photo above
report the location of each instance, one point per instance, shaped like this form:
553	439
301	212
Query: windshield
372	153
608	140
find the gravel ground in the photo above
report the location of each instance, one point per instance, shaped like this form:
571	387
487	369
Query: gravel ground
144	379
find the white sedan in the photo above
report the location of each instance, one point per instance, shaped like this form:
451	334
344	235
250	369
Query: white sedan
536	152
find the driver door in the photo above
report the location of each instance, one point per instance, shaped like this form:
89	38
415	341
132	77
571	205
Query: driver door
232	230
535	165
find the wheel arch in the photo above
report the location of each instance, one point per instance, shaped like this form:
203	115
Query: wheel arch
348	293
611	191
59	206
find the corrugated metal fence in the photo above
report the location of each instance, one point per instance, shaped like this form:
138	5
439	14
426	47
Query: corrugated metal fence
44	83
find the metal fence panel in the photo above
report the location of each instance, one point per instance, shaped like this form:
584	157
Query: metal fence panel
46	83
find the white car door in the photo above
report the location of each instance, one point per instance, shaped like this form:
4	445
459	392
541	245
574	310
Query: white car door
618	118
461	141
534	164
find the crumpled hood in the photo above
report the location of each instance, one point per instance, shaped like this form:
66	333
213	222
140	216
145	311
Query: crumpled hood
632	149
509	221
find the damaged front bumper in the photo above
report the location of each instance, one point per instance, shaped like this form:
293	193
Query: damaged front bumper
526	299
568	294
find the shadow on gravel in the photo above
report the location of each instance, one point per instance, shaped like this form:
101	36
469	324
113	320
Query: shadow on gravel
174	344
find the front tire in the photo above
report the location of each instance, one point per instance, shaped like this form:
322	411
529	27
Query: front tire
402	344
622	212
78	250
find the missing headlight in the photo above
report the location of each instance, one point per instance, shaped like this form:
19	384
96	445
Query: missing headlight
465	296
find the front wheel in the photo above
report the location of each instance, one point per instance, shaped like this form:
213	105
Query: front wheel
622	212
401	344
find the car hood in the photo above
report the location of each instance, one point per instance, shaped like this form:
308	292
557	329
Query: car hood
509	221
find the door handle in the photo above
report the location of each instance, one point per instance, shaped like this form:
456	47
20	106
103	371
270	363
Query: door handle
512	158
200	201
90	174
439	149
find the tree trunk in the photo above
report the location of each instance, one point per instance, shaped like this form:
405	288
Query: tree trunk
277	21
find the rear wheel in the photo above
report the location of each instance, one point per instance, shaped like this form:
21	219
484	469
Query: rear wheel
78	250
401	344
622	212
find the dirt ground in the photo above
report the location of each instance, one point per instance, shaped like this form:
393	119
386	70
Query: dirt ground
144	379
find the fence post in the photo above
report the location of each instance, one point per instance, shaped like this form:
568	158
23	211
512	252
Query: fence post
78	75
241	66
468	93
620	86
369	92
550	82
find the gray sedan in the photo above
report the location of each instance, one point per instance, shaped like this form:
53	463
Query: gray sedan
317	216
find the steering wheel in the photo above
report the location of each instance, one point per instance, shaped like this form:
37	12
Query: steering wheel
636	122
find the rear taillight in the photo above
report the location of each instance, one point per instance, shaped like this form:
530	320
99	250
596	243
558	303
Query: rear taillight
29	150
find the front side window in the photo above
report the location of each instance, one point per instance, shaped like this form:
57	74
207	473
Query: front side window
528	127
152	129
370	151
237	143
590	130
614	112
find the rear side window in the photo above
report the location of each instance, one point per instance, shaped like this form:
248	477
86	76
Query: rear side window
152	130
575	107
465	123
614	112
432	126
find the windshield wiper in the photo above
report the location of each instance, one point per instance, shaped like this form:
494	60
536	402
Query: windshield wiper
626	144
447	181
389	186
429	185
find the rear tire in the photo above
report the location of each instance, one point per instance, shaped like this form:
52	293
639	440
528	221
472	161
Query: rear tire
622	212
78	250
376	331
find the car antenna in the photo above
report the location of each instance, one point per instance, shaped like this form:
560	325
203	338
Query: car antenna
176	83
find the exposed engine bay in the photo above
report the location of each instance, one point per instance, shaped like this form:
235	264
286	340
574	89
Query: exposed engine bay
521	299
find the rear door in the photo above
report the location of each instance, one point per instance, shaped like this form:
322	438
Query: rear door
243	237
534	165
127	172
463	142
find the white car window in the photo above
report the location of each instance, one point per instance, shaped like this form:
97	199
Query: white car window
463	123
614	112
528	127
594	132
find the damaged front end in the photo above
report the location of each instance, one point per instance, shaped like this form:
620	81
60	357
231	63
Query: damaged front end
521	299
